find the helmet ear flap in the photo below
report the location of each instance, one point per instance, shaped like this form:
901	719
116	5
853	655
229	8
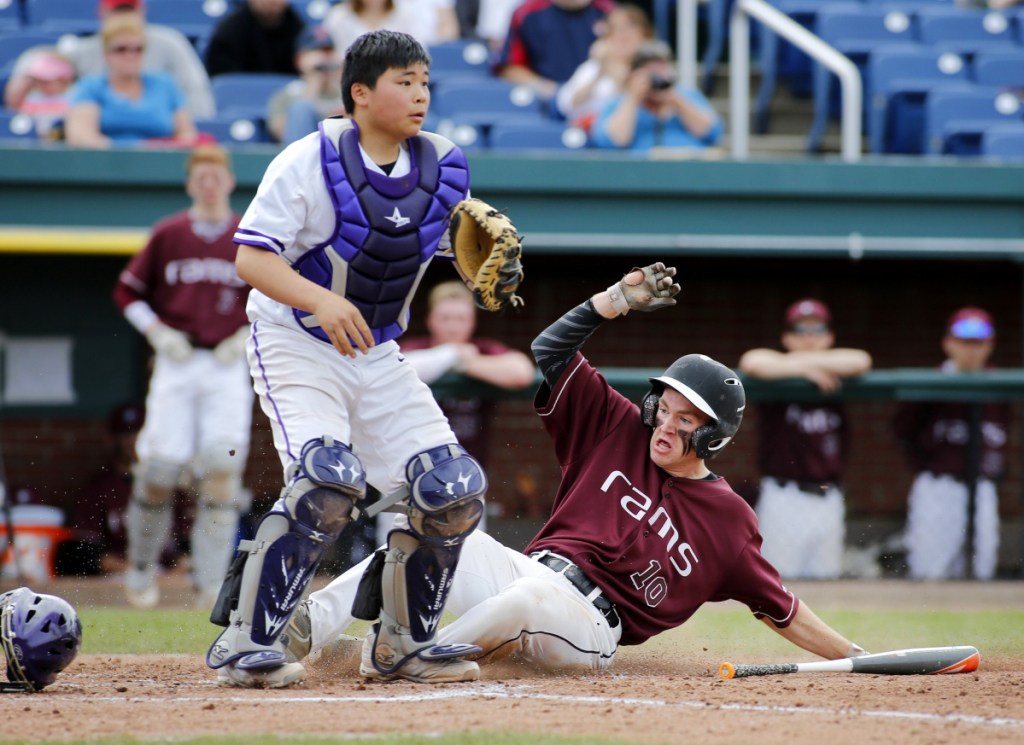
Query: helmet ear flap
708	442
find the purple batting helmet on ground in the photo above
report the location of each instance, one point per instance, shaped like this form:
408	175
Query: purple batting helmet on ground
40	634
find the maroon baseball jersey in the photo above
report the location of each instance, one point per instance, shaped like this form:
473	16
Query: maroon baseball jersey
658	546
804	442
935	435
470	418
190	282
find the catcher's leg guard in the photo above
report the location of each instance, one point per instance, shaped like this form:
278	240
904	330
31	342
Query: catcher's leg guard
147	525
447	487
272	571
216	521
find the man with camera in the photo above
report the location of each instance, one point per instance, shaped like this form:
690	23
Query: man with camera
653	111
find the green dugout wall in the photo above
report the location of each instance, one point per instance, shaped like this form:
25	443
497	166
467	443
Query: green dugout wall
69	218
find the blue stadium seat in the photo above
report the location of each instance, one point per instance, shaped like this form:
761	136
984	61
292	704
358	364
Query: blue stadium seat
12	45
15	126
313	11
235	130
11	18
964	31
540	136
855	33
485	102
63	16
194	18
901	78
459	59
781	60
1000	68
1003	141
246	94
468	135
956	119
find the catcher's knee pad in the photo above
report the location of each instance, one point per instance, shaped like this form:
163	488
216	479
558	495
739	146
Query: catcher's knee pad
154	482
446	494
271	572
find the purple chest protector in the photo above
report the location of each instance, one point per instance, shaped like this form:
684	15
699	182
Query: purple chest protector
386	229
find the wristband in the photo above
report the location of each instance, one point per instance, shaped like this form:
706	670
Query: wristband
618	299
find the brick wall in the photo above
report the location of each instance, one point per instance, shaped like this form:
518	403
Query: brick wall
893	308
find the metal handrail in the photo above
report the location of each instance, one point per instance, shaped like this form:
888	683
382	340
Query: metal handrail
739	74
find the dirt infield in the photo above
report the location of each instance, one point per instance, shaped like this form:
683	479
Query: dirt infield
648	698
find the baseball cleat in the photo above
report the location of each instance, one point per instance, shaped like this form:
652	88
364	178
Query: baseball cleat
281	676
379	655
298	634
141	590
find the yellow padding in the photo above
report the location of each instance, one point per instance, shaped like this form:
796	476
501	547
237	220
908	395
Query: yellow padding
31	239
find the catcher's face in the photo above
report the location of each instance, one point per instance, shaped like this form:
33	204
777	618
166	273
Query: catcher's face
675	421
397	105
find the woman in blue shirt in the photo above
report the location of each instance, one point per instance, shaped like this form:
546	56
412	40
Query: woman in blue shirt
124	104
655	112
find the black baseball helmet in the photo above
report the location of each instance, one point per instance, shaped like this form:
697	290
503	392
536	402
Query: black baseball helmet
711	387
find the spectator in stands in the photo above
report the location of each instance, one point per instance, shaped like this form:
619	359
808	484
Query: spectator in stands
437	20
43	91
126	104
548	39
295	110
654	111
487	20
802	446
603	76
452	347
350	19
258	36
167	50
939	440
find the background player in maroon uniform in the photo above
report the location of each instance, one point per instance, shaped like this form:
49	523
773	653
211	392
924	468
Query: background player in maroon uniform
641	534
936	438
183	293
801	508
452	347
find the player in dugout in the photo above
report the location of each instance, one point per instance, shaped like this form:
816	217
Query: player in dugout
642	532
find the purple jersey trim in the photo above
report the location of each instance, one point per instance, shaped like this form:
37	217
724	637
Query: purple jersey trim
259	240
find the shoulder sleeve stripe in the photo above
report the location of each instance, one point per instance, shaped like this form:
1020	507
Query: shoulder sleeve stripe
259	240
550	409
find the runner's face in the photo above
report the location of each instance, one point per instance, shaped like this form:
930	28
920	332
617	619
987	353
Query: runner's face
675	422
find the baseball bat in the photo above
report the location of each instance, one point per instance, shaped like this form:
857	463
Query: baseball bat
923	661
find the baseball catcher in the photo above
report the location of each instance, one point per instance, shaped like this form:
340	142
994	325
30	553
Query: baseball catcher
487	249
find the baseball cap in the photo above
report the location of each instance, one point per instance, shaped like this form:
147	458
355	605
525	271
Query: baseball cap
807	308
125	419
49	66
971	323
117	4
312	38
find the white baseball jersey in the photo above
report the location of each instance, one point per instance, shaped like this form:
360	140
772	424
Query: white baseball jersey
306	387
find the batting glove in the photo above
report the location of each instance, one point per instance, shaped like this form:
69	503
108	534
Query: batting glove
231	348
170	342
654	289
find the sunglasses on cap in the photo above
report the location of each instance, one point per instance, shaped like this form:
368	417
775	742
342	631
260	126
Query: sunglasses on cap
127	49
809	328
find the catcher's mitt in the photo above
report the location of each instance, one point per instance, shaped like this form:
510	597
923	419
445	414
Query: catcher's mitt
487	248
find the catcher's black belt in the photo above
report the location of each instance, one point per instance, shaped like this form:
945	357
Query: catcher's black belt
581	582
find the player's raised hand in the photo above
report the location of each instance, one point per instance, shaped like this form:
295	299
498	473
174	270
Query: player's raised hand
645	289
343	324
